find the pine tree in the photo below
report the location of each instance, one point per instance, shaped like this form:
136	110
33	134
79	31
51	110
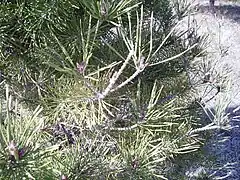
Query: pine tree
109	83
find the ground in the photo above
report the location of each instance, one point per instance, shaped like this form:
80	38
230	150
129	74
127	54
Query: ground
222	25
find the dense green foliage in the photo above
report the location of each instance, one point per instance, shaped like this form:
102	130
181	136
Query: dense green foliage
112	80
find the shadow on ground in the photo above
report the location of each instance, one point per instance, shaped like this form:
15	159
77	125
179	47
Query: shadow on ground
219	157
225	147
231	12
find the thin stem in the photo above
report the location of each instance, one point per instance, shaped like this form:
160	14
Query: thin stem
115	77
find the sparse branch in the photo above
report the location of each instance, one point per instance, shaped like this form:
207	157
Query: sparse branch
115	76
211	126
141	68
174	57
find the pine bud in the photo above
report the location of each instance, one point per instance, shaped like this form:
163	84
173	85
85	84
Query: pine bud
64	177
81	67
13	150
